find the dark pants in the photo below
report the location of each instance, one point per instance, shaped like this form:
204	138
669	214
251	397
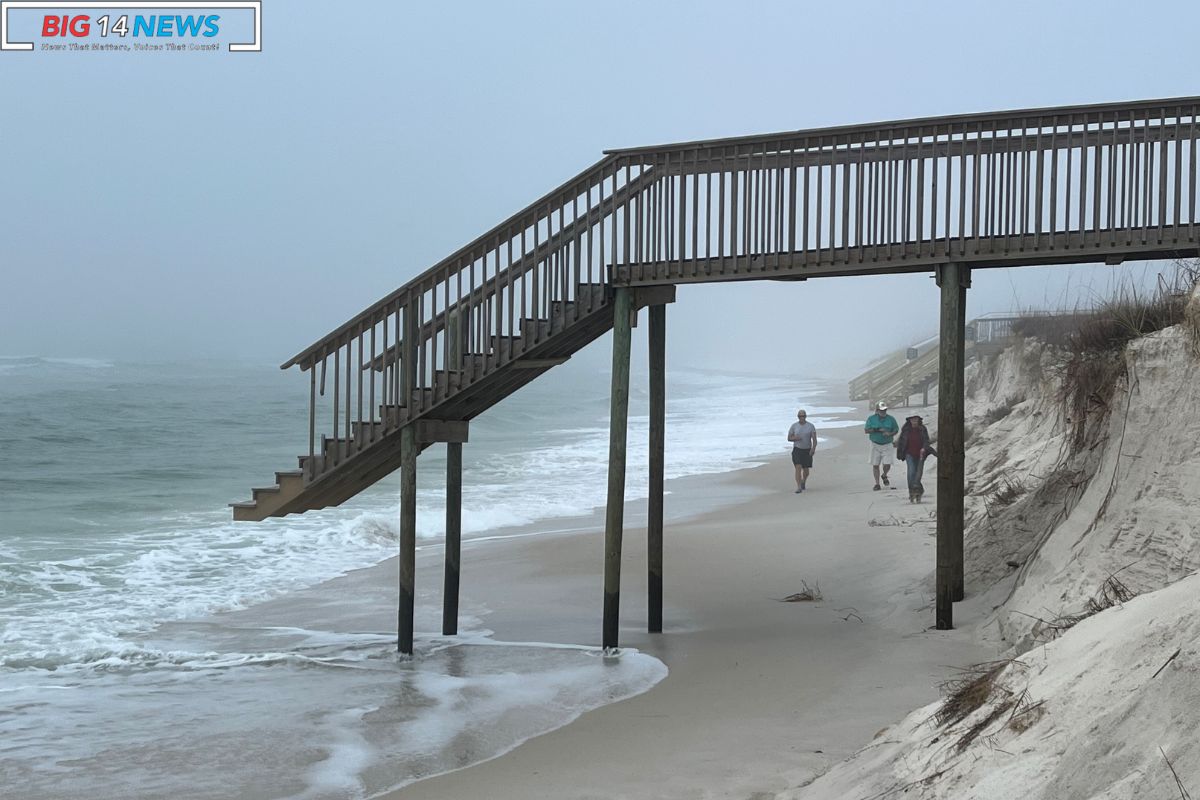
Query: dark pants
916	468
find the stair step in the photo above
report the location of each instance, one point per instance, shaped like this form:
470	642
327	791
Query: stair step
369	431
290	480
506	345
289	484
260	491
535	330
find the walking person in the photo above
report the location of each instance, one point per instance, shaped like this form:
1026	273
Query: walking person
803	436
913	446
882	429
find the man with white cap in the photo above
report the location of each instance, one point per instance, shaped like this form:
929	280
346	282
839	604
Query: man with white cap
881	428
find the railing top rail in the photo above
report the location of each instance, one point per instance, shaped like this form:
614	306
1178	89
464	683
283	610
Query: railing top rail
1095	112
587	176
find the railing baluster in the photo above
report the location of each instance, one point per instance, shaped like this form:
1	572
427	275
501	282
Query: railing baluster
806	161
1026	187
765	213
1149	167
1162	150
962	194
708	217
1054	184
921	190
976	176
906	202
1192	174
683	199
1111	223
859	200
401	364
721	211
890	193
992	200
1177	219
1039	184
359	369
311	464
1010	178
613	219
820	193
1069	193
346	410
696	212
337	385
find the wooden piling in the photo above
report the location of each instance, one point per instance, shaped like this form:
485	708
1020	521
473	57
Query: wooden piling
952	279
959	452
658	420
408	536
453	538
614	518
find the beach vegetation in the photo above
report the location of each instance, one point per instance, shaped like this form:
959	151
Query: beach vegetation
1112	592
1091	340
980	686
1005	495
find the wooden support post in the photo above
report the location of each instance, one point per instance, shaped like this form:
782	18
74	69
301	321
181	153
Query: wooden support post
959	452
408	536
953	280
658	420
453	538
614	518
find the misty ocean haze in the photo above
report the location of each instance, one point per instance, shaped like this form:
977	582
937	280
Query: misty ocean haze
176	225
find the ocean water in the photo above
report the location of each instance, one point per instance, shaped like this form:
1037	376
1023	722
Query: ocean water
125	668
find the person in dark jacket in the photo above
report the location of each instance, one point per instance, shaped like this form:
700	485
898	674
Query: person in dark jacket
913	448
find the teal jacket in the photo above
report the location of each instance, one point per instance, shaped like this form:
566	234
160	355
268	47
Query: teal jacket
882	429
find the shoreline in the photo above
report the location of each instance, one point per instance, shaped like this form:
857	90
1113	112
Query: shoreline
759	695
731	718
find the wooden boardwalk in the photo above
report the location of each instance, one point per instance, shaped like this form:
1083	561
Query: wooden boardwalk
1101	183
914	369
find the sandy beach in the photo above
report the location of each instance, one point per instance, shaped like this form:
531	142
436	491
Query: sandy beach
762	695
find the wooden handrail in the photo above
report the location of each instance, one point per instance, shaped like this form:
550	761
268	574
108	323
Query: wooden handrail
523	218
956	123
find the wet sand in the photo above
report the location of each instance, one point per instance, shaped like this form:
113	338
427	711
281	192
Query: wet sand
762	695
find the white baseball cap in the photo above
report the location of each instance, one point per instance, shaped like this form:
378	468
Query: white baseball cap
881	406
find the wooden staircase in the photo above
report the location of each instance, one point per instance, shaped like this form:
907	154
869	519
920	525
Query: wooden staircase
340	466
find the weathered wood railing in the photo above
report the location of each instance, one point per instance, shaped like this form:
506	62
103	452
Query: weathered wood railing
1038	186
469	315
1082	183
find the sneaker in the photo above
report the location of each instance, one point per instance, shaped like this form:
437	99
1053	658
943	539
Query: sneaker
803	485
877	487
798	491
886	482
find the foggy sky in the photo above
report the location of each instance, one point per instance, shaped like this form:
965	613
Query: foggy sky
241	206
